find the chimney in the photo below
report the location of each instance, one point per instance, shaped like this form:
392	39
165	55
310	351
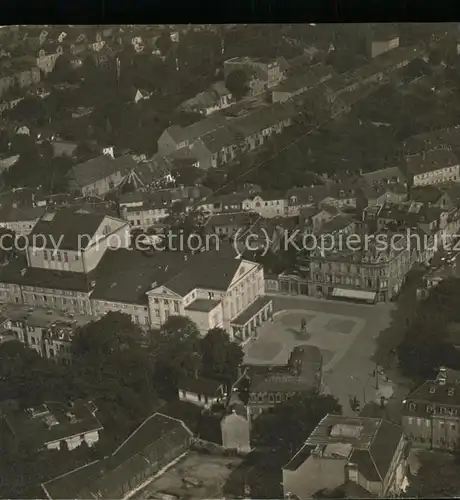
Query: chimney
442	376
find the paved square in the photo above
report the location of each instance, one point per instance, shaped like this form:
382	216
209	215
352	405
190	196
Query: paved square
295	319
265	351
344	326
333	334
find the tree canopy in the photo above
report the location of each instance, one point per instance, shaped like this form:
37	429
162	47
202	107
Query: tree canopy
220	356
237	83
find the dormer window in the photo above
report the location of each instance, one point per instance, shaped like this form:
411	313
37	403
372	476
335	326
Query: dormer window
451	391
432	390
41	53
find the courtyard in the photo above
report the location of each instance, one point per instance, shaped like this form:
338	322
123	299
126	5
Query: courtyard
197	475
345	333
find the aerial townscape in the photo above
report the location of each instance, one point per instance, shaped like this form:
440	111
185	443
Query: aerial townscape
228	261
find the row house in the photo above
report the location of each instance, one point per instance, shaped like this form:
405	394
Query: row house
47	331
267	204
433	167
216	98
216	204
431	412
370	274
263	73
216	140
145	210
369	453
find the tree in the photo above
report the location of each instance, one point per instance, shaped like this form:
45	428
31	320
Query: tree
237	83
28	378
287	425
437	478
175	347
112	366
220	356
164	44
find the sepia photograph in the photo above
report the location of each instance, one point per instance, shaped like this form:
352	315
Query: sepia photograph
228	261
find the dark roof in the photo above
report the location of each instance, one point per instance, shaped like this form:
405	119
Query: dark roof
432	160
199	385
375	461
148	444
203	305
426	194
99	168
260	119
303	373
17	272
37	431
432	392
21	214
213	270
384	175
126	276
217	139
68	224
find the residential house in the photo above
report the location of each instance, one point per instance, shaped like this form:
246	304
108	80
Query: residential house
217	97
433	167
301	82
51	424
263	73
431	416
155	173
200	391
432	196
267	204
143	210
390	175
216	204
230	224
20	220
47	57
369	452
312	219
100	175
47	331
254	128
273	385
157	442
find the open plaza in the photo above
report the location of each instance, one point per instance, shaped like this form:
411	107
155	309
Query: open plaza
346	335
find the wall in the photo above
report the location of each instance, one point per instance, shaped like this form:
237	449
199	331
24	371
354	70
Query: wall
313	475
102	186
236	433
197	399
206	320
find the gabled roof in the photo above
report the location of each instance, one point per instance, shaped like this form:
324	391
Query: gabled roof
99	168
67	227
432	160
